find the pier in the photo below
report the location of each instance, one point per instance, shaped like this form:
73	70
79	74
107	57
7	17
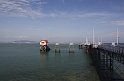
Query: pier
108	61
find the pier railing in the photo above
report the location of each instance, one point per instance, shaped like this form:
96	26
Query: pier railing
109	62
116	49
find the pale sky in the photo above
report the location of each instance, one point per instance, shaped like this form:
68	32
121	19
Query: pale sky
61	20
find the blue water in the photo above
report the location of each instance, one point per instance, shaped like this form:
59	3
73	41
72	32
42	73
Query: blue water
25	62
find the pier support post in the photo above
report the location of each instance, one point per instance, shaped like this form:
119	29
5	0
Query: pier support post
43	48
71	48
80	46
57	47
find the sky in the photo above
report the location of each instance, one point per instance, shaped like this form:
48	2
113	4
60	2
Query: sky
61	20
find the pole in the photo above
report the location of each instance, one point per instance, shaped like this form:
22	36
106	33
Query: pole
117	37
101	39
93	37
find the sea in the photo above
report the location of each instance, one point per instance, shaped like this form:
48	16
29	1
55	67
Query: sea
25	62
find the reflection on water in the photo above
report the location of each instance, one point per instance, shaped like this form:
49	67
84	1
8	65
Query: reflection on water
34	65
44	55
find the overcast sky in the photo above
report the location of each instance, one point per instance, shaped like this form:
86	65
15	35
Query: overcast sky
61	20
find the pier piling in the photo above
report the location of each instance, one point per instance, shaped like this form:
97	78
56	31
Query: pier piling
57	48
71	48
80	46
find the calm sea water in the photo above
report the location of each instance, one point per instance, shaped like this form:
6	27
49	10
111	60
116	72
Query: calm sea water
25	62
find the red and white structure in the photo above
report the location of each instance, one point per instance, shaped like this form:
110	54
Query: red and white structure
43	46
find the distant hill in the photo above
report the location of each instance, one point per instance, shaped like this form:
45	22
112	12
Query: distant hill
1	42
25	41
